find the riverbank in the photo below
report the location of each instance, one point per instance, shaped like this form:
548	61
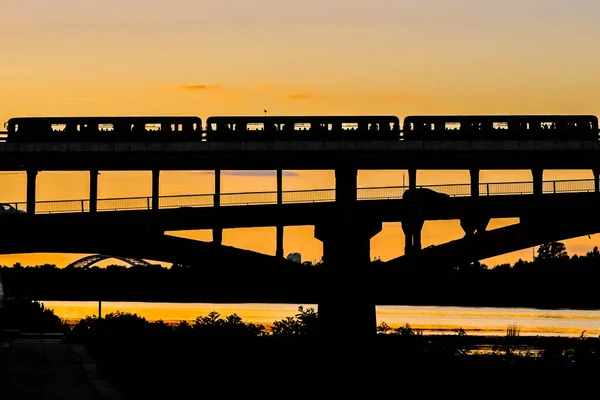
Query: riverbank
482	321
216	355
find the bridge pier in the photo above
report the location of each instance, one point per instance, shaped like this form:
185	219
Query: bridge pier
94	190
474	182
217	232
412	228
412	178
346	296
538	180
31	187
279	240
155	188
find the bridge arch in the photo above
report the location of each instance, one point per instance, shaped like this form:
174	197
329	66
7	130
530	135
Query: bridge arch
88	261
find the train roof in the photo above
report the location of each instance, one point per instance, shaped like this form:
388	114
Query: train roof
260	118
500	117
107	119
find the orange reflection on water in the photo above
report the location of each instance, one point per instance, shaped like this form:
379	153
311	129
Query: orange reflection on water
439	320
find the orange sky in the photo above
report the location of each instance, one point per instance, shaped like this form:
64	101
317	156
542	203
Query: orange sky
183	57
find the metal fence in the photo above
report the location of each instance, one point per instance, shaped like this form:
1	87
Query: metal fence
302	196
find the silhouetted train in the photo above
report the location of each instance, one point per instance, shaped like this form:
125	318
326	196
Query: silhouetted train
303	128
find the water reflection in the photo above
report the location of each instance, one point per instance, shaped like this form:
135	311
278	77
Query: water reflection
474	321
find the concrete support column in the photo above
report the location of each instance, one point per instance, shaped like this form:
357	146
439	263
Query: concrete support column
94	190
279	249
155	188
412	178
474	182
596	172
217	232
347	292
412	228
346	186
538	180
31	186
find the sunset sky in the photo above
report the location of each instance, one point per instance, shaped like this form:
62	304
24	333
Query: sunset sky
190	57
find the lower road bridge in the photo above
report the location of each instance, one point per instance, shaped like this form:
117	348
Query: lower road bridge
531	231
563	209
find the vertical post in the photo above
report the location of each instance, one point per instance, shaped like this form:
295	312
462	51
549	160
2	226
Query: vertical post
217	232
538	180
94	190
474	182
31	186
408	242
346	186
412	178
596	172
99	309
279	249
155	188
412	228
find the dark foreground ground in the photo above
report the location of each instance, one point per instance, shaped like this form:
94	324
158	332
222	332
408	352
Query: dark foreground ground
223	358
385	365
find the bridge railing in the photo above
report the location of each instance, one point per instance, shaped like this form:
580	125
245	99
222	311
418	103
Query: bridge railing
302	196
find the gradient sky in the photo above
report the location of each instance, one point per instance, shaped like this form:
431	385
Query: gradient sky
136	57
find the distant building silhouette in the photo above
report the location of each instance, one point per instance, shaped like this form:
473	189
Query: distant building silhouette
295	257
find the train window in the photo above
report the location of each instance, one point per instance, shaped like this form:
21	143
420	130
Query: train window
152	127
255	126
58	127
373	127
106	127
452	126
500	125
350	126
301	126
547	125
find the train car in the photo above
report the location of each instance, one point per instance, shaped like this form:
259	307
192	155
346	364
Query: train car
501	127
103	129
303	128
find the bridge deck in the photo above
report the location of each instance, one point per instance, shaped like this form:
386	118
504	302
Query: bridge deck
306	214
303	196
309	155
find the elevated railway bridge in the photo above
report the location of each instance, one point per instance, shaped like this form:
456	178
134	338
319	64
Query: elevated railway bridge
345	217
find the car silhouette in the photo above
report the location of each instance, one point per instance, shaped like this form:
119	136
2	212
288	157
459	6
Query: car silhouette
7	209
424	194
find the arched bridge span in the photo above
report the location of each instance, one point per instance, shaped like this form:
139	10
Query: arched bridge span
90	260
145	244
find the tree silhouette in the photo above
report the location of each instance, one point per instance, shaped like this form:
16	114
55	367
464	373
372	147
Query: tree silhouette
594	254
552	251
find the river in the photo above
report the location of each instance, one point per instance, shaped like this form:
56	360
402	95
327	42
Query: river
474	321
